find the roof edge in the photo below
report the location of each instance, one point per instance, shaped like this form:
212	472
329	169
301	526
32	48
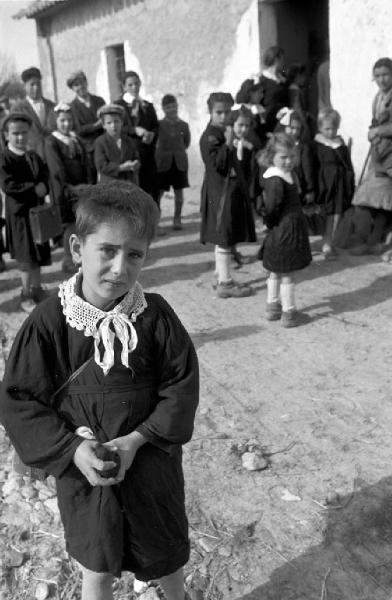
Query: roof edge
37	8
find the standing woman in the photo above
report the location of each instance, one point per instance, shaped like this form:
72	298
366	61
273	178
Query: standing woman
141	124
373	199
67	164
86	123
274	85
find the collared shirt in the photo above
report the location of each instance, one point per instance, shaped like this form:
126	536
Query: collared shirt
38	107
85	101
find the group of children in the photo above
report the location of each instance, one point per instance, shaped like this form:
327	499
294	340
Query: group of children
84	141
297	178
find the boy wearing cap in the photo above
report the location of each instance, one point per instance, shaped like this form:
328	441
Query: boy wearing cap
172	162
24	180
116	156
37	108
87	125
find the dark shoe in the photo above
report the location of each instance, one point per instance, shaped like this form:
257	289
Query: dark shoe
273	311
27	303
230	289
38	294
177	225
291	318
3	266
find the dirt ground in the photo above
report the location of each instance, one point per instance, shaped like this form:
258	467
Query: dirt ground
317	523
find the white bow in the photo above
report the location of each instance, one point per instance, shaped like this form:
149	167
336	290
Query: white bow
125	333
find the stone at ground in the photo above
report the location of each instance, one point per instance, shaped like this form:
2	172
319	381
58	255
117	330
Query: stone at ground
42	591
253	461
15	558
150	594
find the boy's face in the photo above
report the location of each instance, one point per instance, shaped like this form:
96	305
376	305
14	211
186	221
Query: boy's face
170	110
383	78
112	124
111	259
328	129
17	134
64	122
132	86
80	88
241	127
33	88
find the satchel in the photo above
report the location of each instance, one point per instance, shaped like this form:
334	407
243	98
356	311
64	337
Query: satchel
45	223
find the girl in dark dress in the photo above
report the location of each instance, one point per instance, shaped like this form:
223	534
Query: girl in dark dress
128	375
274	86
286	247
24	180
336	178
141	124
225	209
67	163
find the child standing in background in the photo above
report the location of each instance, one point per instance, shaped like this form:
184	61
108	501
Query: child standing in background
170	155
116	156
24	180
336	178
67	163
224	194
286	247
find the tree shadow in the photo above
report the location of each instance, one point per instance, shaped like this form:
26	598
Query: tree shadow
165	274
353	560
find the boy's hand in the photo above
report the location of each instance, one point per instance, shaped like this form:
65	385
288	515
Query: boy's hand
88	463
229	136
126	166
148	136
140	131
309	197
40	190
247	144
126	446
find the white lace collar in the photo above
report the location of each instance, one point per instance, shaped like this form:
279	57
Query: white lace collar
336	142
277	172
103	326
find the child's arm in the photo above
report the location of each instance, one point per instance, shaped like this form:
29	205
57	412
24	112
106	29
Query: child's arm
171	421
273	198
22	194
187	136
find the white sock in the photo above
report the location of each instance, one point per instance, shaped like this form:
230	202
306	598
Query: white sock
287	294
222	264
273	286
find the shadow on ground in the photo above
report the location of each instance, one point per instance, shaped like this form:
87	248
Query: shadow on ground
354	560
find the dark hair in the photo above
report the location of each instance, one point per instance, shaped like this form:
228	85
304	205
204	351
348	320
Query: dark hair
329	115
130	74
110	201
271	55
280	139
168	99
294	70
383	62
216	97
243	111
14	118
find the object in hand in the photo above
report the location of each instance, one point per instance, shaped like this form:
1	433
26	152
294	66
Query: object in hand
105	454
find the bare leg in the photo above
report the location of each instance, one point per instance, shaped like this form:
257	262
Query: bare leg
35	277
96	586
178	202
173	585
26	281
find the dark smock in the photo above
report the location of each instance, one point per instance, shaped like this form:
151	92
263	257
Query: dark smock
286	247
336	178
140	524
18	177
67	167
226	213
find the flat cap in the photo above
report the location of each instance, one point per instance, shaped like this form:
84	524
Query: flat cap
29	73
76	76
111	109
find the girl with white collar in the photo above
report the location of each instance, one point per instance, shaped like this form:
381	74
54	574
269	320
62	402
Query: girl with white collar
286	247
336	179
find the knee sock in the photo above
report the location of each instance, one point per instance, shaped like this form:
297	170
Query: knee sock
222	264
287	294
273	286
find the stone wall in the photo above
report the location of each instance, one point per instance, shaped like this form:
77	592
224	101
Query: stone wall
360	33
185	47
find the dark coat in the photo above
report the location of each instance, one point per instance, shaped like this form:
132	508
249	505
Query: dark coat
305	167
336	179
225	206
18	177
67	167
85	119
139	524
108	158
38	131
147	118
286	247
173	140
275	97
